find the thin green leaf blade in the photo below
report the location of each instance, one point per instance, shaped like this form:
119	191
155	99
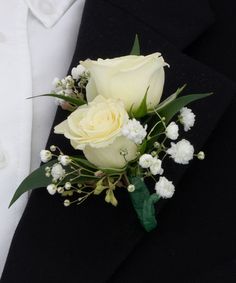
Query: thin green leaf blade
72	100
174	106
169	99
36	179
136	47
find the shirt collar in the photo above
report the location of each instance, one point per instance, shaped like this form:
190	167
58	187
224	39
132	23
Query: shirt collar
49	12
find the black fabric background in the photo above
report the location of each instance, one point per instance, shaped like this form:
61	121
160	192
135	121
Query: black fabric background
196	236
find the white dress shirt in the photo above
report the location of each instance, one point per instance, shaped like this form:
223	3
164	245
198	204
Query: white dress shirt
37	41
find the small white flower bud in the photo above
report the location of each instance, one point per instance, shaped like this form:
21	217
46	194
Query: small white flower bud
153	153
131	188
51	189
47	174
60	190
201	155
65	160
53	148
45	155
66	202
67	185
156	144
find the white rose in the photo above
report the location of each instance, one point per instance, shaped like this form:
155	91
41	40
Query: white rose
111	156
96	129
127	78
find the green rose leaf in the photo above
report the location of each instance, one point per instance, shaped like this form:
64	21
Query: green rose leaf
143	203
172	108
36	179
136	47
169	110
71	100
168	99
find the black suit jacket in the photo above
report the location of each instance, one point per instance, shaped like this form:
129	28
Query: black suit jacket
195	237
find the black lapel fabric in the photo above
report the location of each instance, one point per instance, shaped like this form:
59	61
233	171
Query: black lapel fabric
88	243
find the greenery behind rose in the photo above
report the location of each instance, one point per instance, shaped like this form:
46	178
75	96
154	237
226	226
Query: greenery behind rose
112	101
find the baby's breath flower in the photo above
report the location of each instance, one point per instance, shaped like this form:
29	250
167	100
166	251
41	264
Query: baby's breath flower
201	155
146	160
156	144
51	189
53	148
66	202
156	168
172	131
182	151
134	131
187	118
48	174
60	190
67	185
164	188
57	172
77	72
45	155
131	188
65	160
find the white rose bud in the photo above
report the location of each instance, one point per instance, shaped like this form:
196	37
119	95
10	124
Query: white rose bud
129	78
45	155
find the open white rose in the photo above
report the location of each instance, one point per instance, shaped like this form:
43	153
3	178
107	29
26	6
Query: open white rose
127	78
114	155
96	129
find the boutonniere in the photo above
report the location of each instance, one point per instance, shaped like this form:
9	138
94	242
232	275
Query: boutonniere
123	132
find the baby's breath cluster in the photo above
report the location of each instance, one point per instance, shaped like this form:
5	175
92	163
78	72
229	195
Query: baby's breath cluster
71	86
72	176
180	152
